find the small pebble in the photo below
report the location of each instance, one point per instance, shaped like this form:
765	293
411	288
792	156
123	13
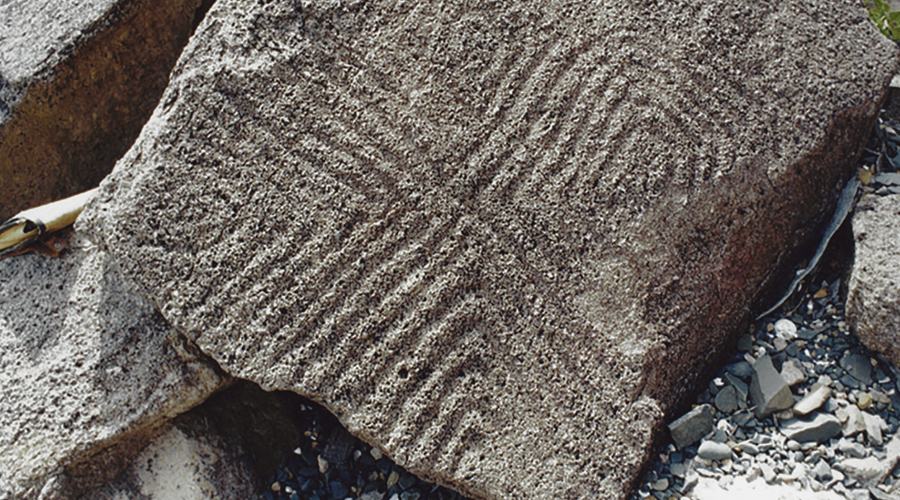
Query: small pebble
712	450
864	400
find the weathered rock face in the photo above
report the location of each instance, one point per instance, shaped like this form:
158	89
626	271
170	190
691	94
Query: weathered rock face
78	79
873	295
89	373
497	241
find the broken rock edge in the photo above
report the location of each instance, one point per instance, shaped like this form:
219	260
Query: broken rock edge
799	235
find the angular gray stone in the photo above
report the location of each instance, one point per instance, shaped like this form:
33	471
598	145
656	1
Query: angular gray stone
89	373
873	291
851	448
821	427
486	237
712	450
768	390
726	400
740	387
693	425
78	79
858	366
813	400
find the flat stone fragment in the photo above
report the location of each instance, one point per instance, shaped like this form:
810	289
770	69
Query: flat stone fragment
489	237
873	290
78	79
768	390
693	425
820	428
814	399
852	421
88	369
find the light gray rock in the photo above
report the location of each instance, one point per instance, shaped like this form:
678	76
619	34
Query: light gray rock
741	369
851	449
822	471
749	448
792	372
813	400
786	329
875	425
693	425
872	471
476	233
873	291
89	373
78	79
711	450
821	427
768	390
740	387
852	421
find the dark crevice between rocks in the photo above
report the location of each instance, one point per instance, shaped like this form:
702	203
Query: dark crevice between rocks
200	14
328	463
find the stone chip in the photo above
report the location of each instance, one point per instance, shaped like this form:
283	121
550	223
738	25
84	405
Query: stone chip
768	390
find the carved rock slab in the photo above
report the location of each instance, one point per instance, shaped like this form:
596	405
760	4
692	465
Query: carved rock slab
498	241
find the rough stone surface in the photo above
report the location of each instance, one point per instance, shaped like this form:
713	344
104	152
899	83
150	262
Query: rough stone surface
768	390
88	370
873	295
821	427
78	79
693	425
489	237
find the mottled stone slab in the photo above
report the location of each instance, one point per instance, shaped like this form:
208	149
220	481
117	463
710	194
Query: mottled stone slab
873	291
498	241
89	372
78	79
